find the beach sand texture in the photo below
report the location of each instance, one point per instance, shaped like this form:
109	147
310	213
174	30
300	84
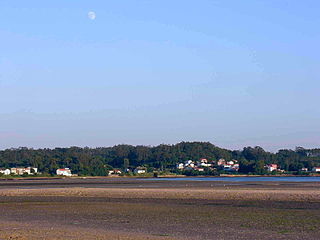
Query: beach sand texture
160	211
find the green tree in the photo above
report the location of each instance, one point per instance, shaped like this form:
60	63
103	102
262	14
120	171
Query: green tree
259	167
125	164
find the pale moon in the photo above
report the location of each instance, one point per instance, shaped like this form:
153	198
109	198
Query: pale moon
92	15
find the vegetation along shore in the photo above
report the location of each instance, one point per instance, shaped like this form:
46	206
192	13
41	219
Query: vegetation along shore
185	158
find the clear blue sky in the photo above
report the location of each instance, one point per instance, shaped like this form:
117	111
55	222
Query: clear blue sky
234	73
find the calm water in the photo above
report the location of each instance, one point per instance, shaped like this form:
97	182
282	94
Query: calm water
242	179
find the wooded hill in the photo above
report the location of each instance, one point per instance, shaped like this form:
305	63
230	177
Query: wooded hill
95	161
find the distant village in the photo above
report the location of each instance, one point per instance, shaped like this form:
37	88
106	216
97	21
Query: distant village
228	166
199	166
21	171
190	165
26	171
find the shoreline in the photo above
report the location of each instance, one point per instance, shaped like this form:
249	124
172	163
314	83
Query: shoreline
162	176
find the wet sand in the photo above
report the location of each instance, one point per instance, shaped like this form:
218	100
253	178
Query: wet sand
138	209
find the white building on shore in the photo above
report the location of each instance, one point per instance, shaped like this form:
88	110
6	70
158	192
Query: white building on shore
316	169
5	171
272	167
64	172
21	171
140	170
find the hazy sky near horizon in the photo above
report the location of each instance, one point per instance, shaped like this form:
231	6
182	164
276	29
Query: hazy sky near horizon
234	73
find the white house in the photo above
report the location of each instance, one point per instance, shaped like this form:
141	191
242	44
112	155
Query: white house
140	170
272	167
230	162
304	169
64	172
227	167
221	161
189	163
180	165
5	171
316	169
32	170
21	171
204	163
114	172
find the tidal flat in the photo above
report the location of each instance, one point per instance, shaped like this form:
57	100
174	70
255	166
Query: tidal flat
136	209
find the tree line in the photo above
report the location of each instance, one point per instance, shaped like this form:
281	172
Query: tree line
96	161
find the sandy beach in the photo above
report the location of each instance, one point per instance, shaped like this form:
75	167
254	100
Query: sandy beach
137	209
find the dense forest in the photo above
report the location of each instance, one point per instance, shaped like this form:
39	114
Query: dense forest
96	161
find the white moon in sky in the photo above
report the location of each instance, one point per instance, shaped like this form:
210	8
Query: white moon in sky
92	15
